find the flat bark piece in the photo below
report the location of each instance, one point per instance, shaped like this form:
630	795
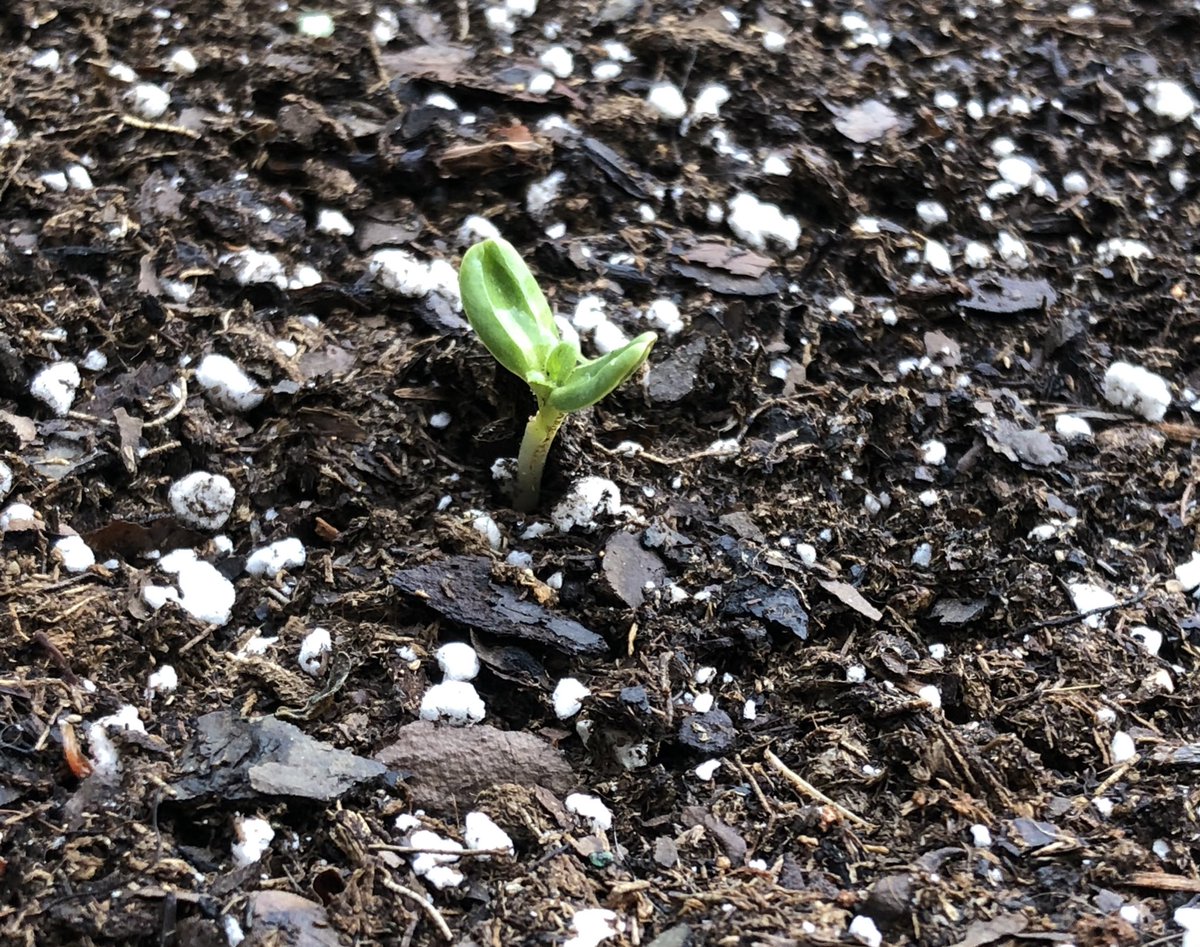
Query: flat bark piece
779	607
235	758
953	611
620	172
448	767
1019	445
1006	296
674	378
708	735
628	568
728	284
460	588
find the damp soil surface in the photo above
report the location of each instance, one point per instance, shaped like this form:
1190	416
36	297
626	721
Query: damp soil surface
883	635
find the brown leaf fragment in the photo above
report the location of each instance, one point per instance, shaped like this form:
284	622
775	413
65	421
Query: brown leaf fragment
942	349
23	428
666	852
1035	833
129	430
1186	755
448	767
993	929
442	63
720	256
288	920
730	271
726	285
390	224
869	121
849	595
128	540
674	378
890	898
724	835
507	149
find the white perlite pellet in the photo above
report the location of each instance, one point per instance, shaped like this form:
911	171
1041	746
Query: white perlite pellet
149	101
666	99
482	834
709	100
1088	597
456	702
1122	747
558	60
76	555
316	644
588	498
403	273
55	386
203	592
269	561
1137	389
458	661
1187	574
591	926
334	222
590	809
254	837
202	499
162	681
182	62
1071	428
568	698
227	385
937	256
932	213
1168	99
759	223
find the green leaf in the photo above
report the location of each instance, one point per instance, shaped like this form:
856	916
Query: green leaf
561	362
506	307
591	381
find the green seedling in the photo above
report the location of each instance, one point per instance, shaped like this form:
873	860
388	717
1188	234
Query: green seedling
509	313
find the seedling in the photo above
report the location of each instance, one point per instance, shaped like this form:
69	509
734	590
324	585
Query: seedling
509	313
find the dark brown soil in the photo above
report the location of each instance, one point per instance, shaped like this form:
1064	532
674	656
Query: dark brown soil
780	424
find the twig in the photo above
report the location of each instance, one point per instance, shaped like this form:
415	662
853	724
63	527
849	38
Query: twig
464	19
1080	616
135	122
12	173
430	908
463	853
173	411
1116	776
808	789
762	799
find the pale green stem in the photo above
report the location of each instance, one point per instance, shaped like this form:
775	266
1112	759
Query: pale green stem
535	447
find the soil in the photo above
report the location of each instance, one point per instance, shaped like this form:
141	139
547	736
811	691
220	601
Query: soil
917	730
